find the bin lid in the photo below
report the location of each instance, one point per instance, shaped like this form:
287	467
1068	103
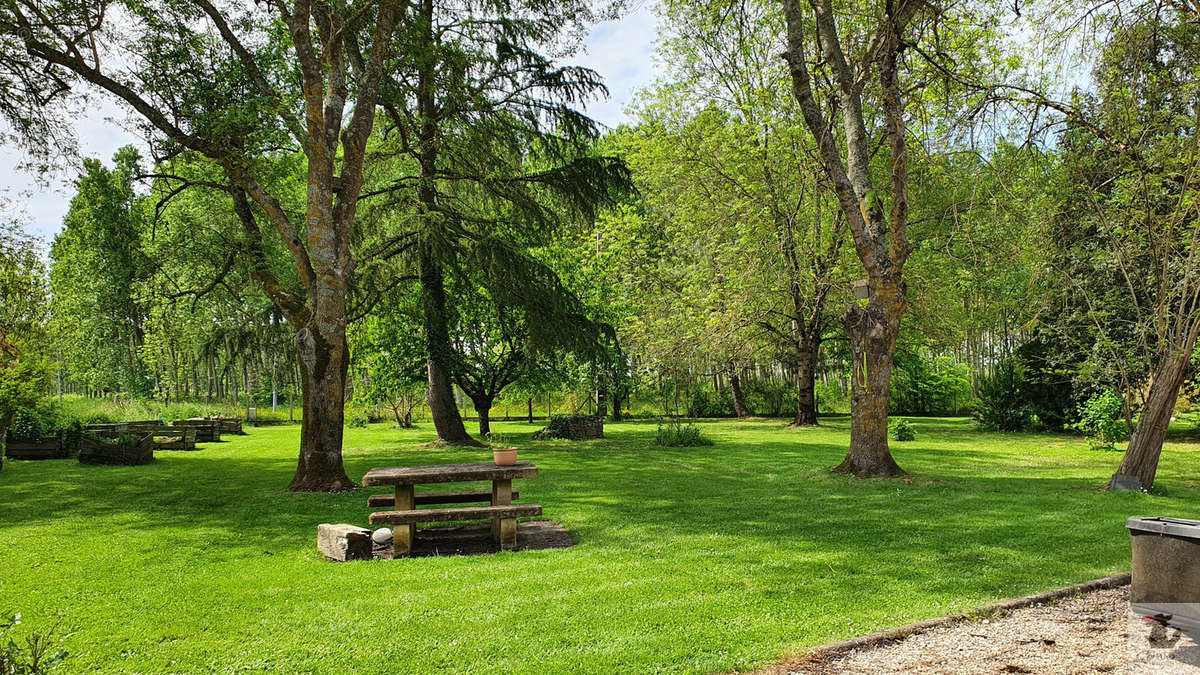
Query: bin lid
1176	527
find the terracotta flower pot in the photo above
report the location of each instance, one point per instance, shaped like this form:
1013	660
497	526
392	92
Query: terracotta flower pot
505	457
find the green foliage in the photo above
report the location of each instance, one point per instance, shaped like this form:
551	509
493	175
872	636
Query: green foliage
832	398
23	310
1102	420
924	385
37	422
98	266
902	430
676	434
356	418
1001	406
31	656
771	397
704	401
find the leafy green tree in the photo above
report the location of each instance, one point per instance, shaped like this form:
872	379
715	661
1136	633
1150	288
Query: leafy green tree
1129	240
491	159
884	61
237	85
727	164
24	305
97	266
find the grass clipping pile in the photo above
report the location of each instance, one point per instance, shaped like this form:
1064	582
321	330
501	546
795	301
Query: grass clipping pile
1090	633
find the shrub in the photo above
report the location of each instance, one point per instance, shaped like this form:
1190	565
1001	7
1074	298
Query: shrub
30	657
924	385
1001	406
703	401
832	398
675	434
357	419
769	397
1101	419
34	423
902	430
571	427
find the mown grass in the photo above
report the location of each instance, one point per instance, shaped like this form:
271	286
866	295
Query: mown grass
687	559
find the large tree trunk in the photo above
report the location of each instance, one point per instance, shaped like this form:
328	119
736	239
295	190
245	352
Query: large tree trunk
442	406
873	331
483	407
1145	446
618	403
322	349
739	399
806	383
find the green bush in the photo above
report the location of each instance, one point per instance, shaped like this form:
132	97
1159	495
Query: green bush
32	656
832	398
703	401
925	385
769	397
35	423
1001	406
902	430
675	434
357	418
1101	419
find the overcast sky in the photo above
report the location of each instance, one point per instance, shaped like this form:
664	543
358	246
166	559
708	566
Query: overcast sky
621	51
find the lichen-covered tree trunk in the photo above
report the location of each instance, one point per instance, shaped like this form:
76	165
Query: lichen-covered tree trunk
873	331
323	355
1145	446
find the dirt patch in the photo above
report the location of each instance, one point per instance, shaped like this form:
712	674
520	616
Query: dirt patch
1090	633
476	539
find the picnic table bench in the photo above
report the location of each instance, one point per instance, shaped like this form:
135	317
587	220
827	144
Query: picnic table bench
405	515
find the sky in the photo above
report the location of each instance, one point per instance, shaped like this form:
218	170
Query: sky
621	51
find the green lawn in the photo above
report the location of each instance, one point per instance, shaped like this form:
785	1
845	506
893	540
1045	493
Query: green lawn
700	560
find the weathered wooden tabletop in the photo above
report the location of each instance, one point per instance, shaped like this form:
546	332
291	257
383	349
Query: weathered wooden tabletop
447	473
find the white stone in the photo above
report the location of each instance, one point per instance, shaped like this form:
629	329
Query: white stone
382	536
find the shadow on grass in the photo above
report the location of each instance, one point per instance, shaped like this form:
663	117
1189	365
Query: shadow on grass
970	519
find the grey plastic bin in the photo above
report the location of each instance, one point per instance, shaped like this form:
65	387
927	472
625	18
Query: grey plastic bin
1166	571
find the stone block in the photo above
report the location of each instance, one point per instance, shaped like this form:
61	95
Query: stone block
344	542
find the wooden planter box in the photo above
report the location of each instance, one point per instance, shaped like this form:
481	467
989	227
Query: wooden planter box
54	447
99	450
207	431
229	425
165	437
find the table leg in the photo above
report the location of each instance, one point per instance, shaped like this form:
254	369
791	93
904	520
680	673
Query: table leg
402	535
504	530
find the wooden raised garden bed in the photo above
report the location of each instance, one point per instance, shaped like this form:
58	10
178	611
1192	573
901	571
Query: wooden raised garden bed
116	449
54	447
207	431
229	425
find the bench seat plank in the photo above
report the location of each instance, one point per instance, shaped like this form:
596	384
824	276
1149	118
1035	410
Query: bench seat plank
460	497
451	473
443	515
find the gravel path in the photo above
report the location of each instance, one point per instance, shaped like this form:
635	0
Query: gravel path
1092	633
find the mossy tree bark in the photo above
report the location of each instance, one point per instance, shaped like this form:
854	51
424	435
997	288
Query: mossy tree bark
879	233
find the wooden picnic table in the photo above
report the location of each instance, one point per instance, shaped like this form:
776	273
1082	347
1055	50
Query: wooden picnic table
405	516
